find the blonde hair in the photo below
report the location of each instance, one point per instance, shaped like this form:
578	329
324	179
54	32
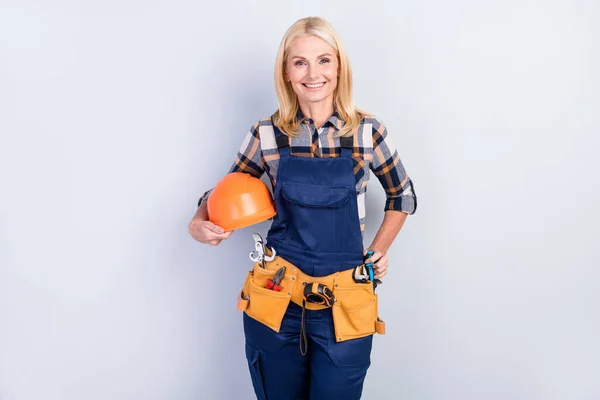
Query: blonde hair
285	118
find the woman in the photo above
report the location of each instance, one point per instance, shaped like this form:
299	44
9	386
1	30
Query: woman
318	150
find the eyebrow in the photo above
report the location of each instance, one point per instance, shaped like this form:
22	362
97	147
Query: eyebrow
322	55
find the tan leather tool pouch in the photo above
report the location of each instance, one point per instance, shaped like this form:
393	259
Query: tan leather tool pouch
265	305
355	311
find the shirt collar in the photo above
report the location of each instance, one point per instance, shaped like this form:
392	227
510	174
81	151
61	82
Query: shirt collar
334	120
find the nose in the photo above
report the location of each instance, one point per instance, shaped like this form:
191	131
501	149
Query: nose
312	73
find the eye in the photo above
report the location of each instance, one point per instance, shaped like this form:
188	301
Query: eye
324	60
298	63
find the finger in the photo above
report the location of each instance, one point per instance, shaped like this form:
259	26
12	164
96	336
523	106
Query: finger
382	261
214	228
376	256
381	267
214	231
381	274
219	236
214	242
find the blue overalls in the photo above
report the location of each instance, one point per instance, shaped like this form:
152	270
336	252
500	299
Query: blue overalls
317	229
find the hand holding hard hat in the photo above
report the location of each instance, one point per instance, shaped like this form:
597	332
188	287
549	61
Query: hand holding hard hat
237	201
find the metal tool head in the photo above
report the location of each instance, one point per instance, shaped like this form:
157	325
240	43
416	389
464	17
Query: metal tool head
360	274
279	275
257	255
273	254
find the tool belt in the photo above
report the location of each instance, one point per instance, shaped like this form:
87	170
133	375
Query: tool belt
354	305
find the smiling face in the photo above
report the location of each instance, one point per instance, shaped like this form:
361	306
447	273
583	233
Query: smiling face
312	69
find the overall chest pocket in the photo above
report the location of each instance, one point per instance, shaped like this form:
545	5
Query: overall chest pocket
318	216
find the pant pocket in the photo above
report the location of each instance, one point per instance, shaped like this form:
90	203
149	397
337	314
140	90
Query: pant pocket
355	353
265	305
253	358
354	312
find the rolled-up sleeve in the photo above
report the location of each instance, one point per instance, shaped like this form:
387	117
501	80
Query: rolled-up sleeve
387	166
249	159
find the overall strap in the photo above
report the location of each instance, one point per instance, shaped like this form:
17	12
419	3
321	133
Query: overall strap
282	141
347	145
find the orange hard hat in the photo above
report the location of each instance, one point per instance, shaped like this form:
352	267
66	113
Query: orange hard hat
239	200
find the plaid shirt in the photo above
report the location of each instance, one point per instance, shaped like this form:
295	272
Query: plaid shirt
373	151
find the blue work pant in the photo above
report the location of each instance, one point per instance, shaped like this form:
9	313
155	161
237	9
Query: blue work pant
329	370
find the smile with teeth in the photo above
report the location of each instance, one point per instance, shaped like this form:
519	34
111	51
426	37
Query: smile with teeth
314	85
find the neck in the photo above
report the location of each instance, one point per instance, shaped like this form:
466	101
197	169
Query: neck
318	112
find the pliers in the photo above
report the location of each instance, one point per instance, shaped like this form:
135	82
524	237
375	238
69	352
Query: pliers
370	265
274	284
370	270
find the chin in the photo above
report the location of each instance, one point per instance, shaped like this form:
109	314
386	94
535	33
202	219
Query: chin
319	98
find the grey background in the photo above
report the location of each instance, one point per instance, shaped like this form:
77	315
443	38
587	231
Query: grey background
116	116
